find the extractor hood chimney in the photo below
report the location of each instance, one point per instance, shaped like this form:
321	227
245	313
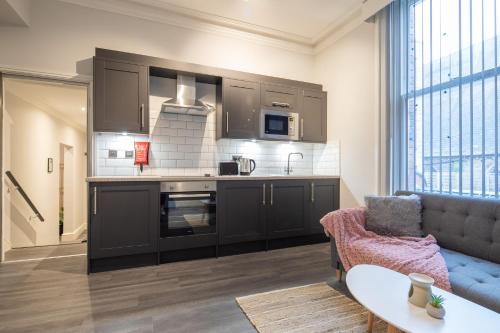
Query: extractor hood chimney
186	101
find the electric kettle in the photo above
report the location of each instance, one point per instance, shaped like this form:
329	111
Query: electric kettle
246	166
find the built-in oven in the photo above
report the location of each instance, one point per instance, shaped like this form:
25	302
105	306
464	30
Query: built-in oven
188	208
279	125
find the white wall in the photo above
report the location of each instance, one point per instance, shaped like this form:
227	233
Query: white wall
62	34
347	72
31	136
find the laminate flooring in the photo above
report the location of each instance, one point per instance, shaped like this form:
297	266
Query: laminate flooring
41	252
56	295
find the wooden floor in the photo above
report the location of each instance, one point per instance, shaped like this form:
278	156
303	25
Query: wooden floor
39	252
56	295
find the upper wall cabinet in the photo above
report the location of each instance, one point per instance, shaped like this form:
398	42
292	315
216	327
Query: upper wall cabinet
313	116
240	109
120	97
279	97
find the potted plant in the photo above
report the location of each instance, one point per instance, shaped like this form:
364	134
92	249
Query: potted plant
435	307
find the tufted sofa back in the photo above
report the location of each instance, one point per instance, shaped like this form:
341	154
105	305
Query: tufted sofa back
463	224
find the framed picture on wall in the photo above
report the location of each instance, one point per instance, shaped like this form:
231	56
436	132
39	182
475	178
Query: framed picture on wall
50	165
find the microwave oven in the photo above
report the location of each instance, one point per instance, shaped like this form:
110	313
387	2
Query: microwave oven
279	125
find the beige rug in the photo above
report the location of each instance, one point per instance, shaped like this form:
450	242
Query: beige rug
313	308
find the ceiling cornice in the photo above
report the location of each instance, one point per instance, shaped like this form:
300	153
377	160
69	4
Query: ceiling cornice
160	11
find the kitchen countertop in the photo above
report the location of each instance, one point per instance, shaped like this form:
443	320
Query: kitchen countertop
97	179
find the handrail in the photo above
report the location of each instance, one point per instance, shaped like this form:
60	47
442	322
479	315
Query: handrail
18	187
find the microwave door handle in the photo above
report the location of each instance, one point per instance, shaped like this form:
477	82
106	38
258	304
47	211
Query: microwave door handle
283	105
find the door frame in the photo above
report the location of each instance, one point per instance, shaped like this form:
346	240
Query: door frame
86	81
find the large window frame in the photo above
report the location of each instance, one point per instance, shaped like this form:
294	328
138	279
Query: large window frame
443	142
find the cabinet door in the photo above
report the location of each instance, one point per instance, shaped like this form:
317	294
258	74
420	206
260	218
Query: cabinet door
120	97
324	198
313	116
240	109
124	219
287	212
279	97
241	211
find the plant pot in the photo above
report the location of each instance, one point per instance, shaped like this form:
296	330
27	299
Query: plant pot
437	313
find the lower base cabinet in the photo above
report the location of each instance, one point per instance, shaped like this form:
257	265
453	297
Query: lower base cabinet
124	220
252	215
252	210
324	199
241	211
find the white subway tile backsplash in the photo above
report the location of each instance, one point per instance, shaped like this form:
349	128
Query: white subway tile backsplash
186	145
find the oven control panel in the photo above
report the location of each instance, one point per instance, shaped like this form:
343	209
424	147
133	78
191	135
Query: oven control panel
198	186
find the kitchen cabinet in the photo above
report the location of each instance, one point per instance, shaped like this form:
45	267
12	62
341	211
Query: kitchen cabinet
240	109
124	219
287	208
323	198
279	97
313	116
120	97
241	210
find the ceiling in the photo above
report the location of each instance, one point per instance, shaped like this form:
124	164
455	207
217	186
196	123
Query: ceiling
305	23
303	18
63	101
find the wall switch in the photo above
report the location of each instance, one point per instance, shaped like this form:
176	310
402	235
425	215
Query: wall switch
112	153
129	154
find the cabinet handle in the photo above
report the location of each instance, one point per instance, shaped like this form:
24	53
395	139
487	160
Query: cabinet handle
312	192
95	201
272	194
282	105
227	122
263	194
302	128
142	116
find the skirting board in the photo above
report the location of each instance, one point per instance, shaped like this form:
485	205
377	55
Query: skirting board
71	236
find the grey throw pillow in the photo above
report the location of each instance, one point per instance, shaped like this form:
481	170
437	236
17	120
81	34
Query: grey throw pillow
394	215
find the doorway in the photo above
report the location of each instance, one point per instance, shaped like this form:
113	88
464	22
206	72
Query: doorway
44	165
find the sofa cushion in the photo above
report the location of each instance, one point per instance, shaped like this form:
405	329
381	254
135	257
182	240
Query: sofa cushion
475	279
394	215
464	224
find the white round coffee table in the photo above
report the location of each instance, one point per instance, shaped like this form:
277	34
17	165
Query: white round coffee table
384	293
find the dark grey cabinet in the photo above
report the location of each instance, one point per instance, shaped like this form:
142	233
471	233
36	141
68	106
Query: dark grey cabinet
124	219
313	116
241	211
287	209
279	97
240	109
120	97
324	198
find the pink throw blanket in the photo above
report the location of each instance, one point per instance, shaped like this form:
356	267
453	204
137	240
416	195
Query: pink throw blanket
356	245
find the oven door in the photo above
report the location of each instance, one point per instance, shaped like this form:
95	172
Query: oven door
187	214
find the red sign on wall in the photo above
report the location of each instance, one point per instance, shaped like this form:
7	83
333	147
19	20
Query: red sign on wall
141	153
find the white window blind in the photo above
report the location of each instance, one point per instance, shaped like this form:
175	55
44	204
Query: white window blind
449	88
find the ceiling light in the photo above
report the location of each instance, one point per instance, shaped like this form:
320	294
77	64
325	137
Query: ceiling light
83	108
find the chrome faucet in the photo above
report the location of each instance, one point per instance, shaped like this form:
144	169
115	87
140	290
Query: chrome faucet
288	170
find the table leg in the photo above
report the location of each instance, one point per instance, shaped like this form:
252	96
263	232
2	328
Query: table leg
391	329
370	322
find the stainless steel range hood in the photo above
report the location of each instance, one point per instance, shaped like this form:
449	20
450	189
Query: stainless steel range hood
186	102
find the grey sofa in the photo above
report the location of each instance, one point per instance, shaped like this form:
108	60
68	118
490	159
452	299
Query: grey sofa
468	231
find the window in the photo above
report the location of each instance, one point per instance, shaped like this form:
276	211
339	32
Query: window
449	88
